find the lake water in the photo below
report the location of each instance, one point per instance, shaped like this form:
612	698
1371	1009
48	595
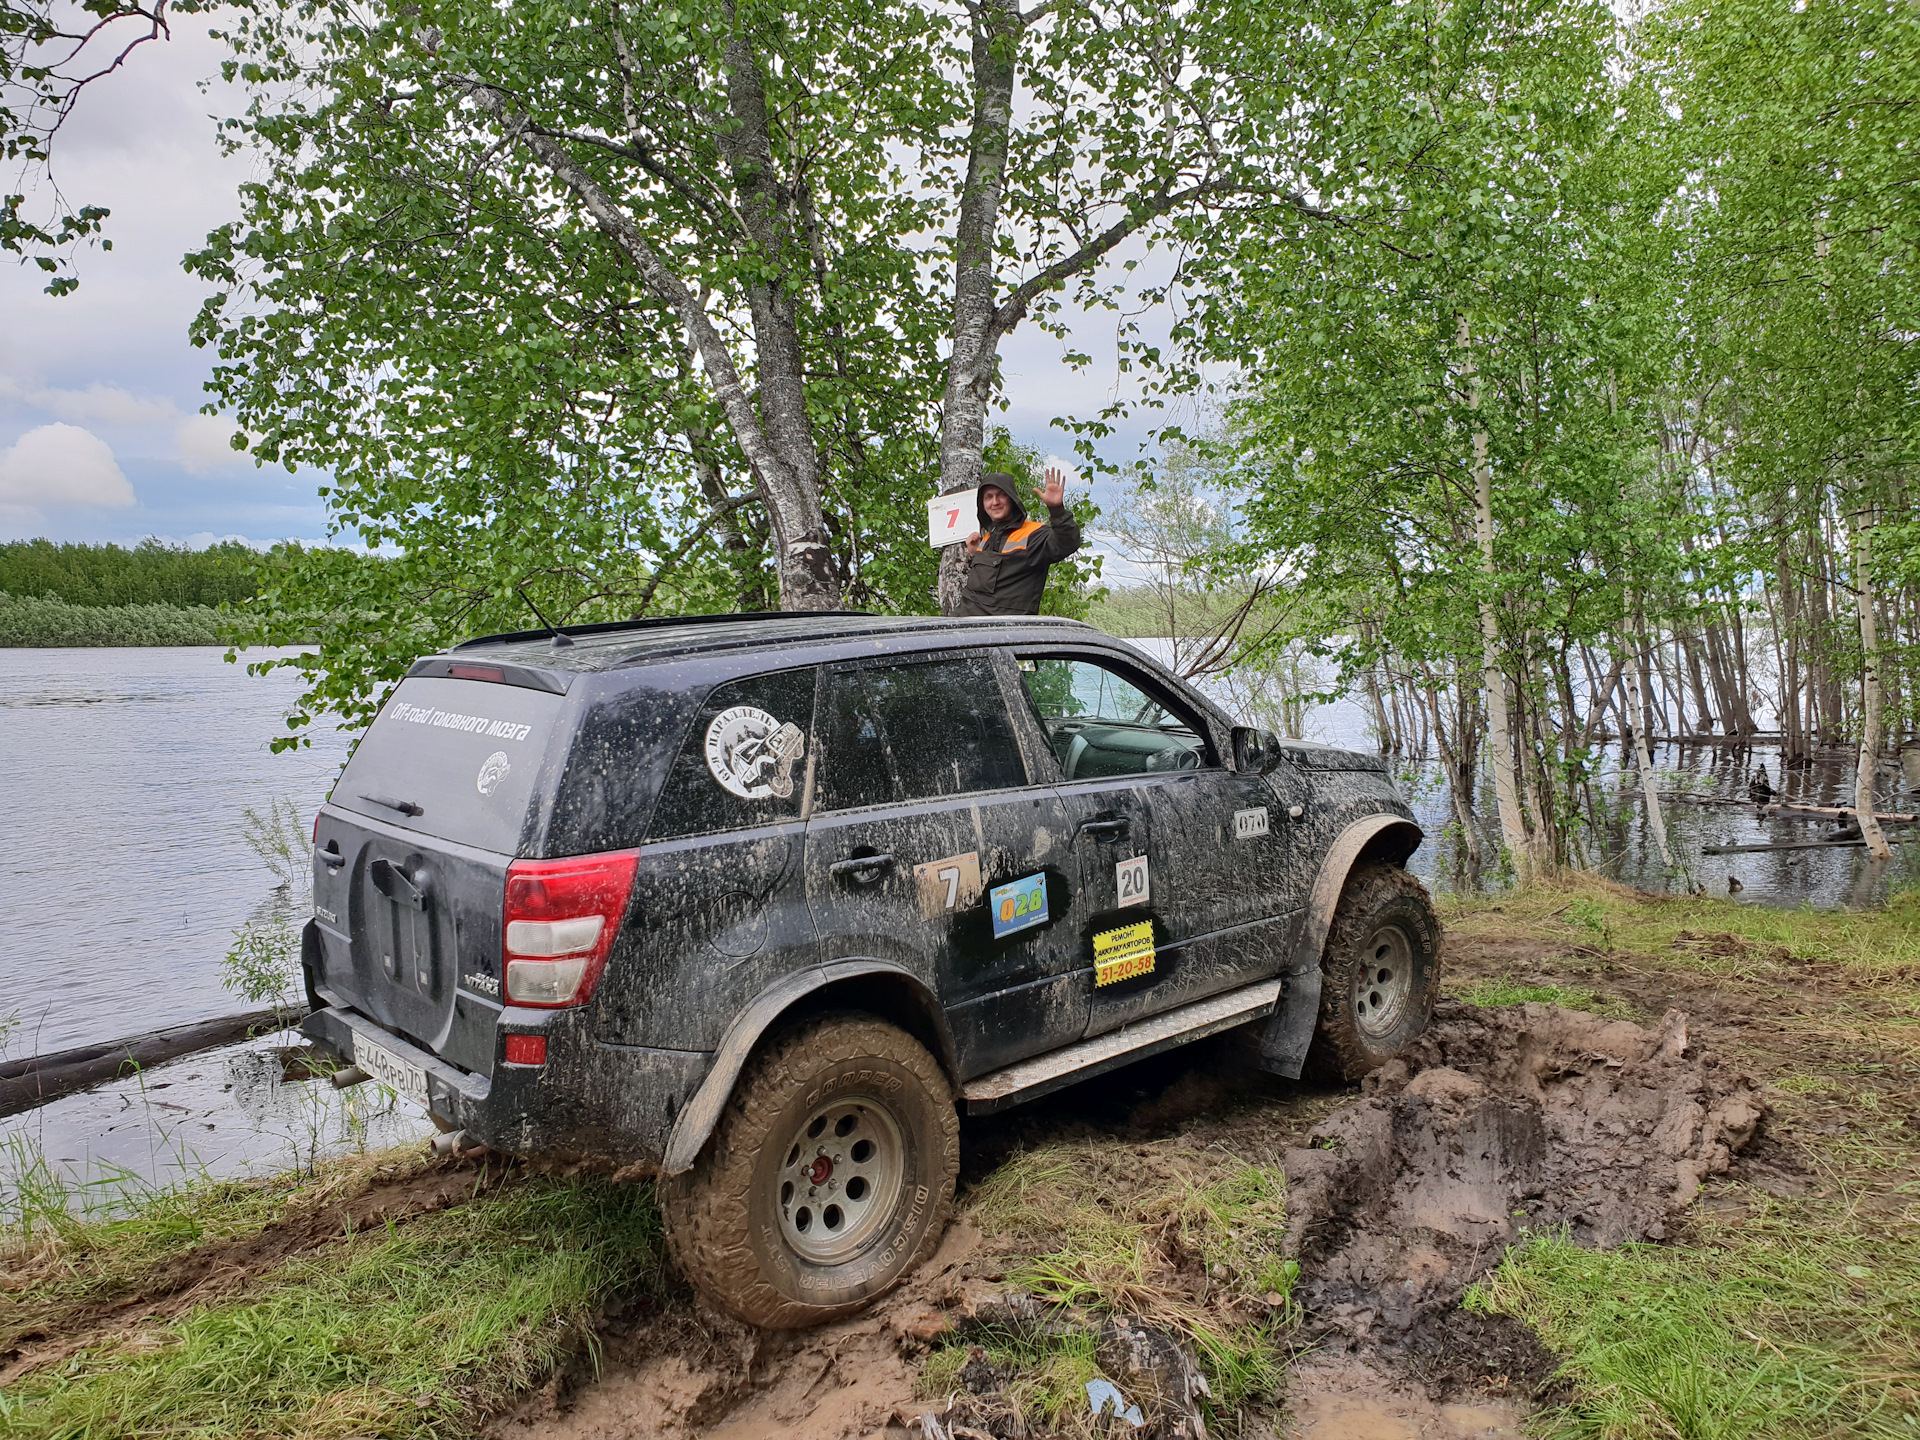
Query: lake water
127	774
124	872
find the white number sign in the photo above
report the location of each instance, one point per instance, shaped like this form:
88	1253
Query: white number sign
951	518
1248	824
1130	879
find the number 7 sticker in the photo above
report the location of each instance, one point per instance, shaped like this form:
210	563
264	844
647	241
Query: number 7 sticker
949	885
1130	880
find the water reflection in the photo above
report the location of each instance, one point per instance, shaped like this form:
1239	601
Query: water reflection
220	1115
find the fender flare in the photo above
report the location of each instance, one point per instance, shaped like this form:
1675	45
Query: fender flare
702	1112
1332	879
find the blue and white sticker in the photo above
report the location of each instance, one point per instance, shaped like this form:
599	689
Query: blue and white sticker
1018	905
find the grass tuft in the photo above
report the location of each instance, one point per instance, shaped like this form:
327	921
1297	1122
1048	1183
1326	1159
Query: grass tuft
398	1332
1791	1337
1185	1241
1490	992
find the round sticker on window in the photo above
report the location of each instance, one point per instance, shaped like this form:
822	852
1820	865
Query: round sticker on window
492	771
751	754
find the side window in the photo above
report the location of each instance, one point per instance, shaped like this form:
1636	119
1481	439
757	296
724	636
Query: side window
1100	722
744	762
907	732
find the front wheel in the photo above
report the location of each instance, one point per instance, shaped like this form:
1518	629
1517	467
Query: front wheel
828	1178
1379	976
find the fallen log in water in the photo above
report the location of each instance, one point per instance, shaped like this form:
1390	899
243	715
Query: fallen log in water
1787	845
41	1078
1787	811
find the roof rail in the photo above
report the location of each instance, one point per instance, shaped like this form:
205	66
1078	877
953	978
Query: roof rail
655	622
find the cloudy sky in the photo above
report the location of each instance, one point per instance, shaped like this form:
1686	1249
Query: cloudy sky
100	432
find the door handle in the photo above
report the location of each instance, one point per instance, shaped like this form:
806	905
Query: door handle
1107	829
859	864
332	859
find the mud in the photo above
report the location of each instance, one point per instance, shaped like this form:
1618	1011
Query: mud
679	1373
1347	1398
222	1267
1497	1122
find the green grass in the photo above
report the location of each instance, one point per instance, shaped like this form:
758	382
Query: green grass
1103	1226
41	622
409	1330
1788	1330
1793	1318
1571	997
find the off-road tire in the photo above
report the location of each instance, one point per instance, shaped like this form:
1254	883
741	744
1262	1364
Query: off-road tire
725	1221
1384	923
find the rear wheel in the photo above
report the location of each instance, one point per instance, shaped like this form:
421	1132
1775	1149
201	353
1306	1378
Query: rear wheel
829	1177
1379	976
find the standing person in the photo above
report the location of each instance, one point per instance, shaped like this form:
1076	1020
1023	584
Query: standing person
1008	556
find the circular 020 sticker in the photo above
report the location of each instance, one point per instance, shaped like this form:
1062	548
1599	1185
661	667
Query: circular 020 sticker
752	754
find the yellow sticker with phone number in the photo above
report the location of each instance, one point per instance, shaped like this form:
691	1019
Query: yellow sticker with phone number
1123	954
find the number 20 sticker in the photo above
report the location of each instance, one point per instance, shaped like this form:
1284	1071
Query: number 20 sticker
1130	879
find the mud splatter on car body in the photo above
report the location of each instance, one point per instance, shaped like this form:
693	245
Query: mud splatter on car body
771	785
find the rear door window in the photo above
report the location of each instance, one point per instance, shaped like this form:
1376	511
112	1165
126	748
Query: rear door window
744	762
454	759
902	732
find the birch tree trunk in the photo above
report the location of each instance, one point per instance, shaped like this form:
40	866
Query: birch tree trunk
1863	801
1506	786
776	441
1636	678
997	27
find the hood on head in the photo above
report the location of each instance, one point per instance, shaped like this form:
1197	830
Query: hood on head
1007	486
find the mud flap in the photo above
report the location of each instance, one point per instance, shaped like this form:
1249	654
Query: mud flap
1283	1048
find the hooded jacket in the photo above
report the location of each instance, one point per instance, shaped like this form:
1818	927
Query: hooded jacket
1007	560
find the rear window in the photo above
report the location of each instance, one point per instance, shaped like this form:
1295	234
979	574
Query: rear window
454	759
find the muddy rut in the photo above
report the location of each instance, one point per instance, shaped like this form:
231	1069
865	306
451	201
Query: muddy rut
1499	1121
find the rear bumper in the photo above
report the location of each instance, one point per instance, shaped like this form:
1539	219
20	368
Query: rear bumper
612	1104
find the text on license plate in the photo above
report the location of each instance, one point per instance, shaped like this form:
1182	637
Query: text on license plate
390	1070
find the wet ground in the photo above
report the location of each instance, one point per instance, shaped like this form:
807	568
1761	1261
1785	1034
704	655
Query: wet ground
1399	1193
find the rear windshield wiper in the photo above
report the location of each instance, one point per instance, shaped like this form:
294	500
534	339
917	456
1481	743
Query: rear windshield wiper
405	807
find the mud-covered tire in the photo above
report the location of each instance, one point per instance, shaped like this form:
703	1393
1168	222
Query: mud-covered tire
748	1226
1379	975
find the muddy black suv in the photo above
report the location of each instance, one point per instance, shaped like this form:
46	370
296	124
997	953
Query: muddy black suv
757	903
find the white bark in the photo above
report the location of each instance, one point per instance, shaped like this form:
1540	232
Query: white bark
1506	784
789	491
1636	677
997	27
1870	719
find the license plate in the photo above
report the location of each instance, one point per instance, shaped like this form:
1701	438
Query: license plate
391	1071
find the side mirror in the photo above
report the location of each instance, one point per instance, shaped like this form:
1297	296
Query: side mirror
1255	752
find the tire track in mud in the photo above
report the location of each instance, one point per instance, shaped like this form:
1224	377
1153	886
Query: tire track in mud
1495	1122
210	1272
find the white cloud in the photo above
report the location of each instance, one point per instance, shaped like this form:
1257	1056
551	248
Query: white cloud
61	465
103	404
205	441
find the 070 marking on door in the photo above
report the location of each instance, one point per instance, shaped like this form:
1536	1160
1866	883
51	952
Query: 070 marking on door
1130	880
1250	824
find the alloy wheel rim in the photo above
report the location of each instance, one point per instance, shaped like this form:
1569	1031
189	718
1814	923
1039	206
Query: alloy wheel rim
1382	982
840	1180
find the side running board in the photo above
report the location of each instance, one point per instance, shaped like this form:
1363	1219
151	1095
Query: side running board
1030	1079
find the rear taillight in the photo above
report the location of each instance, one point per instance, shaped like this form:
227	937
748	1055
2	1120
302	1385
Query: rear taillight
561	917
